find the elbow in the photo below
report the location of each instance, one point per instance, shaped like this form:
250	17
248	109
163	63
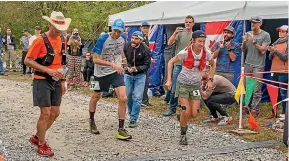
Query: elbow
26	61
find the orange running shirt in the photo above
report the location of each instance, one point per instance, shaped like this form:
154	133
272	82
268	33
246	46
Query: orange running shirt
38	50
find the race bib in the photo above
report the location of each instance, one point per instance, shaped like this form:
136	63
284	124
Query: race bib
196	93
94	85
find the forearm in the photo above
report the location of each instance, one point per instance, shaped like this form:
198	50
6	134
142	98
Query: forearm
216	53
172	39
99	61
260	48
283	57
244	47
33	64
170	70
212	69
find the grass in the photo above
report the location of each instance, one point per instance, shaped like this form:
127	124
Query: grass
158	109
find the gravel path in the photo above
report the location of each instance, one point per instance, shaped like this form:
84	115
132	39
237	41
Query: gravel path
70	139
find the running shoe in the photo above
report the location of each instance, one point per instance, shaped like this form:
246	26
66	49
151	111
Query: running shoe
122	134
92	127
33	140
45	150
183	140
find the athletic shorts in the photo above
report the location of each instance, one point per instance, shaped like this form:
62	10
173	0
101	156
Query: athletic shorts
115	80
46	93
188	91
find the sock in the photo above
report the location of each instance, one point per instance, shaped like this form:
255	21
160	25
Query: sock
91	115
121	124
184	130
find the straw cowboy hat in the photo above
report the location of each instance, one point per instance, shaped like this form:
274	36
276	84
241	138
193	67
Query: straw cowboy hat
58	20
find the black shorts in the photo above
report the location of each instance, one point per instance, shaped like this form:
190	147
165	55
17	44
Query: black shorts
46	93
114	79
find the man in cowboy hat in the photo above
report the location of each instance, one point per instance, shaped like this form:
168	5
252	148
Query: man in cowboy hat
108	71
48	82
226	53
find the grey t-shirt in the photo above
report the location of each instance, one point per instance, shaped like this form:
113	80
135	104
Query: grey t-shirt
221	85
191	76
110	50
254	57
25	42
182	40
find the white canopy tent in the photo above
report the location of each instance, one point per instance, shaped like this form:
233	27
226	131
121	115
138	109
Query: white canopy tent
174	12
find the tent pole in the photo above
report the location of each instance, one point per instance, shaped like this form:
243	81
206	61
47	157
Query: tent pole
242	78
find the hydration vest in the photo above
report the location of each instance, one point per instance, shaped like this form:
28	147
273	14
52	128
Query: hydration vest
189	61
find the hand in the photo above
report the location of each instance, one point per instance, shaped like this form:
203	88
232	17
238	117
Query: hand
221	45
134	69
271	49
251	37
209	84
178	29
118	68
130	70
244	38
55	73
168	85
63	87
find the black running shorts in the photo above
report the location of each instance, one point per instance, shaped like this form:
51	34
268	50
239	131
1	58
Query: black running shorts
115	80
46	93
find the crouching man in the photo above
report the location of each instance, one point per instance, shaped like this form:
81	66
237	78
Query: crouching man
218	97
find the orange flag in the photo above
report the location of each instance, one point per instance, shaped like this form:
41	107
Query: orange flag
253	123
273	93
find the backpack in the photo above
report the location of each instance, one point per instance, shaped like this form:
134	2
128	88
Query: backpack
47	60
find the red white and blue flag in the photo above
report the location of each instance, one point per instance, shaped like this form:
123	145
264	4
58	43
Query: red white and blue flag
214	31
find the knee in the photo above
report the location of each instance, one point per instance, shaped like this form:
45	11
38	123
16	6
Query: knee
54	114
122	98
45	115
96	96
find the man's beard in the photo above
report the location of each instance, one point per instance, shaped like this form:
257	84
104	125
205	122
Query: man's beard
135	44
228	39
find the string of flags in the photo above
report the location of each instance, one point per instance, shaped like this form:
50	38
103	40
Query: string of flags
250	84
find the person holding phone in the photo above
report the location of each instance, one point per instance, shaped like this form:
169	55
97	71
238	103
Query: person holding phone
279	67
181	38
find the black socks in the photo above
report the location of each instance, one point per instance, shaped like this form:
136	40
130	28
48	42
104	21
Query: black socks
121	124
91	115
184	130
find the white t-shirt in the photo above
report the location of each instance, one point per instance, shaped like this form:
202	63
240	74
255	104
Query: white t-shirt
32	38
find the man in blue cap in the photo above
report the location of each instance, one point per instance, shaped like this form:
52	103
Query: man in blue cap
145	27
108	57
138	62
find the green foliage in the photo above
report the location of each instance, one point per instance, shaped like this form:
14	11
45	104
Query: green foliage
86	16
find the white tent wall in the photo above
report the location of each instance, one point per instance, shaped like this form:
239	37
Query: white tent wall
174	12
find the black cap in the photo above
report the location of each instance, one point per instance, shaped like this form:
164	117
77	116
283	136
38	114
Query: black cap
24	30
199	33
37	28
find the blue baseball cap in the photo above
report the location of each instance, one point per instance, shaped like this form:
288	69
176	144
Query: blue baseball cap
199	33
144	23
138	34
118	24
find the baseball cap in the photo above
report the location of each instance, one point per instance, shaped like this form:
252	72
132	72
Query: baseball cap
229	28
283	28
37	28
24	30
138	34
199	33
256	19
118	24
144	23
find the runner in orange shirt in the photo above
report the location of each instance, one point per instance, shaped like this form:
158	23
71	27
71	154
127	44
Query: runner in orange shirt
46	56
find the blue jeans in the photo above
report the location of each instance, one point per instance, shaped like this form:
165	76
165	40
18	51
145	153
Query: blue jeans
134	89
174	100
282	77
1	62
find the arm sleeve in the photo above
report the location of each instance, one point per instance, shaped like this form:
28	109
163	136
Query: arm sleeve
147	61
267	39
182	55
99	44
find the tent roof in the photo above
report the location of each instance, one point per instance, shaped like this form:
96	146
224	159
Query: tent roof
174	12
